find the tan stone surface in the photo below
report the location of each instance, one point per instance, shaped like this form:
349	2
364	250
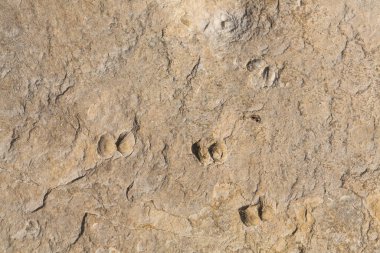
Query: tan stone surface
190	126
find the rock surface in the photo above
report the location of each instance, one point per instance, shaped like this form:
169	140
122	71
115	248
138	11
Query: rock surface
190	126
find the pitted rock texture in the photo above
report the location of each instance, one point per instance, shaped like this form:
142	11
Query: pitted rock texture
190	126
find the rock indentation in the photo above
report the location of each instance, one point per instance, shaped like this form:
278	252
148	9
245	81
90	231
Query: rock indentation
208	152
125	144
218	151
252	215
31	230
201	152
262	75
106	145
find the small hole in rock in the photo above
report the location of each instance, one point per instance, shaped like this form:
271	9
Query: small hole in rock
223	24
251	65
243	215
260	210
195	149
212	148
121	137
256	118
266	73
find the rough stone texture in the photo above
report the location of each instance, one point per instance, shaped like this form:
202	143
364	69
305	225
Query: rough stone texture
190	126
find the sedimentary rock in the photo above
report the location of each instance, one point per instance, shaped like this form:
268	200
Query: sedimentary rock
189	126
